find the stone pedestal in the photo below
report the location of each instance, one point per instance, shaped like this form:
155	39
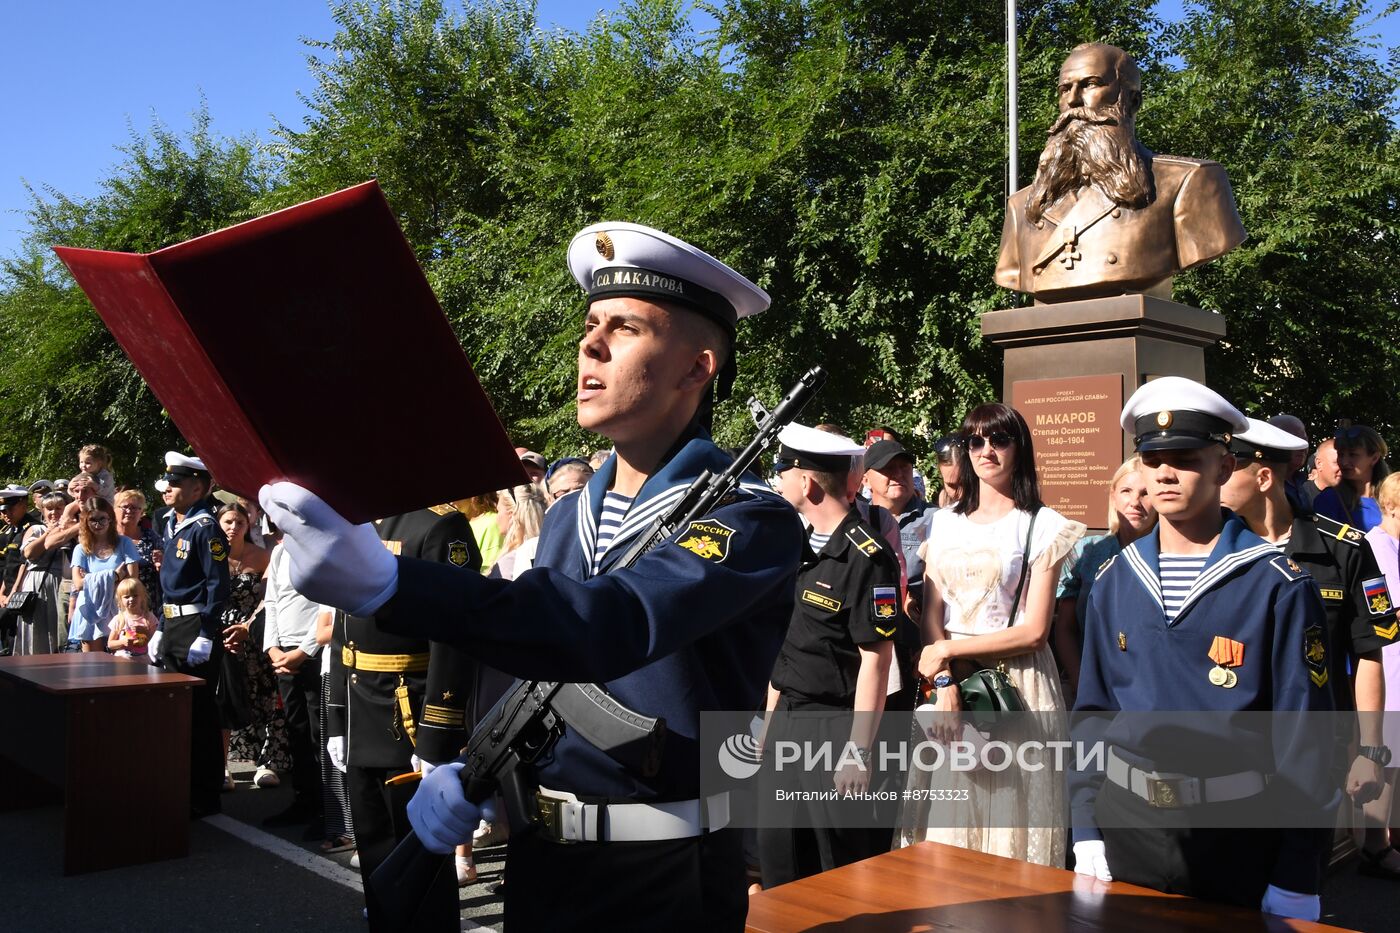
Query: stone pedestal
1070	366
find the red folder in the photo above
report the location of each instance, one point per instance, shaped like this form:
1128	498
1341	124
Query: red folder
307	345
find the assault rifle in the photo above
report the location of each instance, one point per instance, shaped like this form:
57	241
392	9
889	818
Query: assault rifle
526	722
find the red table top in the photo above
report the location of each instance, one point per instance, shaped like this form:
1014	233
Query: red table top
89	673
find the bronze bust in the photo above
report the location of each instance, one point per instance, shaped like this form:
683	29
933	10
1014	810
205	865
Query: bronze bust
1106	216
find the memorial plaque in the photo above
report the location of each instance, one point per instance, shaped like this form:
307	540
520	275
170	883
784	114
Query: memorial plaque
1078	442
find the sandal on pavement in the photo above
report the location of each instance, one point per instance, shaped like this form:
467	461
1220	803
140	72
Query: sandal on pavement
338	844
466	871
1373	864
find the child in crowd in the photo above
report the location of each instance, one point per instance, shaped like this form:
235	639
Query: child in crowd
94	459
134	623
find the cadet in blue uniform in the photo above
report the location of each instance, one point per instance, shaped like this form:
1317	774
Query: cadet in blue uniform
394	697
694	625
837	653
194	584
1201	614
1361	616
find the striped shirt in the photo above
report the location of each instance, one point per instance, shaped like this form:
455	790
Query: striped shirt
818	541
615	508
1179	573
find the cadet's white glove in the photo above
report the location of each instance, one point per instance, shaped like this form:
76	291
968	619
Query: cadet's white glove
335	750
1089	859
440	813
153	648
200	649
423	767
332	561
1291	904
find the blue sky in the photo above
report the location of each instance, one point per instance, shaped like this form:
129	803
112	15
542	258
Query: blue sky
78	73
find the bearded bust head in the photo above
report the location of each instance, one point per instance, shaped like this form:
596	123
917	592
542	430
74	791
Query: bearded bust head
1104	214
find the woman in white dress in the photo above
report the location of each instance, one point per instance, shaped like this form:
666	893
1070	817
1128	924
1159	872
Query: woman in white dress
974	558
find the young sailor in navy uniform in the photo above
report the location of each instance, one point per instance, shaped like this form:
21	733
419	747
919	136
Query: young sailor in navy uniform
395	697
837	653
1201	614
693	625
1361	616
194	582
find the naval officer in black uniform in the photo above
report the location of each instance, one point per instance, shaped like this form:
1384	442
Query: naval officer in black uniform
396	697
194	584
1361	615
837	653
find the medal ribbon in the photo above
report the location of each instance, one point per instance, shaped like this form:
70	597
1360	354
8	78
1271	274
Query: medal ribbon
1226	652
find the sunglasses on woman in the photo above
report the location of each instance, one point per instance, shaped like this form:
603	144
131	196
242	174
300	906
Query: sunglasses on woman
999	440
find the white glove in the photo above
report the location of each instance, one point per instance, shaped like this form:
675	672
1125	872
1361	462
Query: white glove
440	813
423	767
1089	859
153	648
1291	904
200	649
335	748
332	561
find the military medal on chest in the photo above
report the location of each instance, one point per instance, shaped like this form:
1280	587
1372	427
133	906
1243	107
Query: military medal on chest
1227	654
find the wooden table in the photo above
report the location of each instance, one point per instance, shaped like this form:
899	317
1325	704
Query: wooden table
936	887
108	738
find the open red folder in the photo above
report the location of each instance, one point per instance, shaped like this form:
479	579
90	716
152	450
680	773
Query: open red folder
307	345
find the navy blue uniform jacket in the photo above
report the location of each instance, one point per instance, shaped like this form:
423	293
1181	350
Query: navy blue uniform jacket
1134	660
194	568
694	625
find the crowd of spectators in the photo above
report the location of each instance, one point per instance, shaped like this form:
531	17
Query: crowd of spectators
81	561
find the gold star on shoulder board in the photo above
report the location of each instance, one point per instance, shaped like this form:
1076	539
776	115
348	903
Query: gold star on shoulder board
446	695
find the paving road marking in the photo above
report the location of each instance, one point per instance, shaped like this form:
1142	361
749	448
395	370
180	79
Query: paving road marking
329	869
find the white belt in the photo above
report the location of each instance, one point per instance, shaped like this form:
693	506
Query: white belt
1170	791
172	611
565	819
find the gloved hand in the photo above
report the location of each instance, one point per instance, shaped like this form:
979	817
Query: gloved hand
423	767
1089	859
440	813
335	749
153	648
332	561
1291	904
200	649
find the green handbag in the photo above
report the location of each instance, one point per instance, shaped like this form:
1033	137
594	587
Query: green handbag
987	693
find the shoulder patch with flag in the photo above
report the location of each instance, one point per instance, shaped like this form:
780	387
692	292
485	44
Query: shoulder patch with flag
707	538
885	605
1377	596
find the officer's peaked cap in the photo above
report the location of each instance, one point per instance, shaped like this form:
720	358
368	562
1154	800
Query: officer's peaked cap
177	465
810	449
1265	443
1175	413
624	260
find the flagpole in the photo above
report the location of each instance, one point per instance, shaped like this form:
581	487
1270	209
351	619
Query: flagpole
1012	123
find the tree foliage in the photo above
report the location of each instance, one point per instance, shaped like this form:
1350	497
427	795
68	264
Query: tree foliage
846	154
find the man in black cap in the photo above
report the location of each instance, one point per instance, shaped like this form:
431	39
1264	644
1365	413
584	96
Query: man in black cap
194	582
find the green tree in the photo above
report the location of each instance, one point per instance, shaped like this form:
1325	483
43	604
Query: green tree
1292	99
64	381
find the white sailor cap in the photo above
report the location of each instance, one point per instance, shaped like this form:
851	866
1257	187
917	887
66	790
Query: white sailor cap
39	484
1174	413
14	491
615	259
1265	443
178	466
809	449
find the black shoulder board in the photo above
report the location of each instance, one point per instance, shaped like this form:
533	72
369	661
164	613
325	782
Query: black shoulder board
1331	528
863	541
447	508
1289	567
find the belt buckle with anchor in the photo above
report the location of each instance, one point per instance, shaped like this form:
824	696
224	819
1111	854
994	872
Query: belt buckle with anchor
551	819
